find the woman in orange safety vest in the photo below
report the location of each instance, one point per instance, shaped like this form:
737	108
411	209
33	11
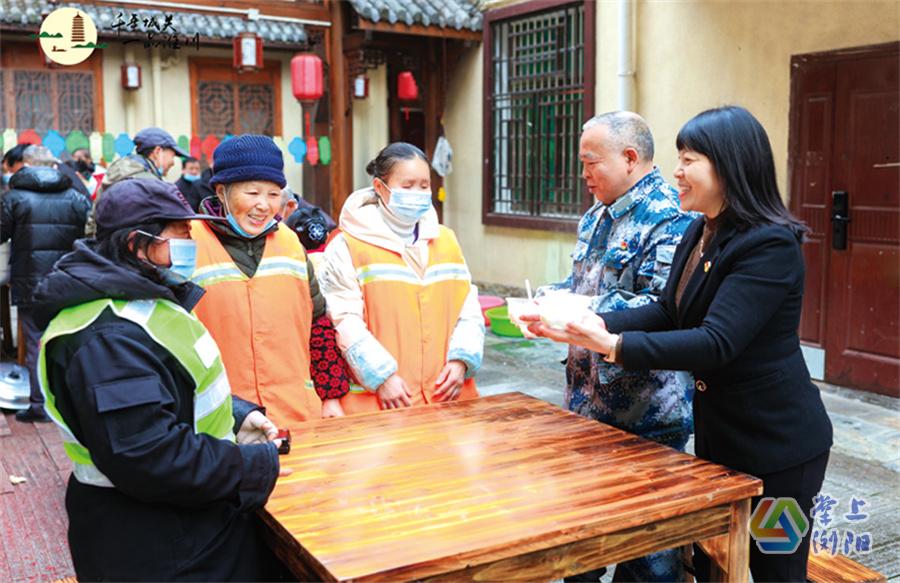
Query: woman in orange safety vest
262	303
399	292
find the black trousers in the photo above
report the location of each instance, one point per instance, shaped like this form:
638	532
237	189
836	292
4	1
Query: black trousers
31	337
801	482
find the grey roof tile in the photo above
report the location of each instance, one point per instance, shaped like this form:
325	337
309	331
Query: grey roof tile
457	14
27	13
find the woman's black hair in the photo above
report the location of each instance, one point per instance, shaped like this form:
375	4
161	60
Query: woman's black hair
387	158
116	246
739	149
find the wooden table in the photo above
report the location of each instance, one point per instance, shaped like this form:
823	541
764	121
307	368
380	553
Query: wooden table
500	488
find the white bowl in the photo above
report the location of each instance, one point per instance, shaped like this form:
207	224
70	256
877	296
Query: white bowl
558	310
518	307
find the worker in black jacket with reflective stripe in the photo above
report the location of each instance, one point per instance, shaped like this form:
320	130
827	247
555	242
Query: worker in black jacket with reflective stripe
730	315
160	498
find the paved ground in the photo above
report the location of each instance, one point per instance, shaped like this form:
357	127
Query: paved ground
33	522
865	462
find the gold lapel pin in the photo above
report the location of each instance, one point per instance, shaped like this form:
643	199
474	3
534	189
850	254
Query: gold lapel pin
706	266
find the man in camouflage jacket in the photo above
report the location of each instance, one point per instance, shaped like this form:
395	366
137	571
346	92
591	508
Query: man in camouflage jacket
622	258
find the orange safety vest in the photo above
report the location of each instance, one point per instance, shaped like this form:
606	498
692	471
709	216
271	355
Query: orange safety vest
411	316
262	324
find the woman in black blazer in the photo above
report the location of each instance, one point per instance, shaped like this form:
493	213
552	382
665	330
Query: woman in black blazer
730	314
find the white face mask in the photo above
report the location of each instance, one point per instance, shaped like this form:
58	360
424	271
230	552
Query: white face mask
408	204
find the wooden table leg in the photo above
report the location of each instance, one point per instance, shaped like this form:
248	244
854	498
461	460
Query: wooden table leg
737	565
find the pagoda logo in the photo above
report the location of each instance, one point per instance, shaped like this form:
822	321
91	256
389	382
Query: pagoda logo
68	36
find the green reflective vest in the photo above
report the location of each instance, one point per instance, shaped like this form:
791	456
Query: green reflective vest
173	328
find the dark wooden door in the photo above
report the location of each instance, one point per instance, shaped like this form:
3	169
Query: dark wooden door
845	161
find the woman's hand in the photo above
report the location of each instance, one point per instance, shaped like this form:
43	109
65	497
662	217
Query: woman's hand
588	332
332	408
450	381
256	428
393	393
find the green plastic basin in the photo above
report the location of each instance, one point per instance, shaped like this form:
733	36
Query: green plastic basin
500	323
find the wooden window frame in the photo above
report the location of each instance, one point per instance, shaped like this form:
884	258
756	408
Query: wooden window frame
271	68
23	56
589	74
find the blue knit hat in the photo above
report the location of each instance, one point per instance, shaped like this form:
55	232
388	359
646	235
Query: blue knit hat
248	157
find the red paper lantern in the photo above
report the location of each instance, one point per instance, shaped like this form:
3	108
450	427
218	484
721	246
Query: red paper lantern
306	77
407	90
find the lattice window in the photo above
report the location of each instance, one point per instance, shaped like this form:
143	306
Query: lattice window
33	96
227	102
48	100
257	107
216	108
34	100
537	83
76	101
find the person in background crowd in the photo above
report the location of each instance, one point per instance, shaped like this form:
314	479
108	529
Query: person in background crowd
263	305
622	259
160	489
311	224
189	182
88	170
399	292
290	203
155	151
730	313
79	172
42	215
12	163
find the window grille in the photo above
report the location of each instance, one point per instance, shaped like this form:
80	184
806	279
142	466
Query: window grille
540	89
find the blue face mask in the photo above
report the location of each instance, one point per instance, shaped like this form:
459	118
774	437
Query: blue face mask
191	177
183	253
232	222
183	258
6	178
409	204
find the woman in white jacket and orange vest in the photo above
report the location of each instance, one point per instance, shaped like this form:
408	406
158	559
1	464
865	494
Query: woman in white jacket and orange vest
399	293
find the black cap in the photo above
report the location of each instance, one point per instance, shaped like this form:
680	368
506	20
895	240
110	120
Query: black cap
149	138
136	201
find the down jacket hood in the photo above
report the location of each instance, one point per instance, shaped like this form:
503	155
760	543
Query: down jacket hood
40	179
84	275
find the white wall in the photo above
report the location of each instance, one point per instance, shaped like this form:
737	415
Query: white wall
370	125
121	105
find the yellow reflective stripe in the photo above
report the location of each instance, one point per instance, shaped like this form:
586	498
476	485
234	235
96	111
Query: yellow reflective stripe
282	266
217	273
447	272
383	272
386	272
